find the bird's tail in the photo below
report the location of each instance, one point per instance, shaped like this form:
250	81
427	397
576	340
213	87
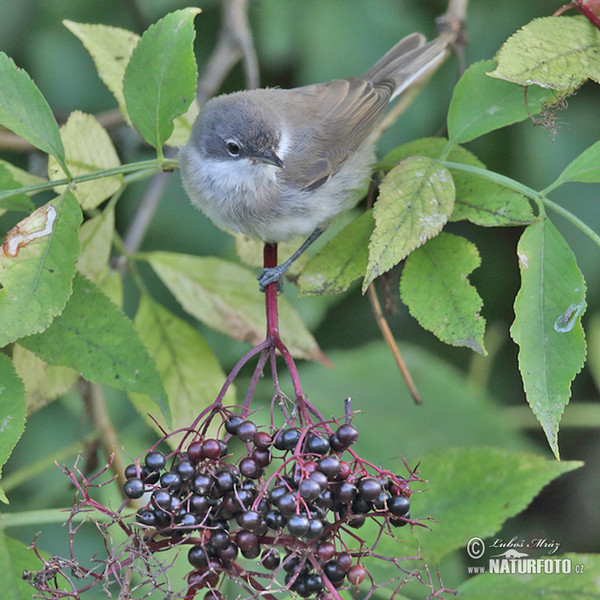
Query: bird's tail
410	60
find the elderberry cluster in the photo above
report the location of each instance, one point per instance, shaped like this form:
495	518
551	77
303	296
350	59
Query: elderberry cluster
284	502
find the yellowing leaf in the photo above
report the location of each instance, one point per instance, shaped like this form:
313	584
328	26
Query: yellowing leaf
43	382
225	297
88	148
554	52
110	49
95	237
415	200
190	372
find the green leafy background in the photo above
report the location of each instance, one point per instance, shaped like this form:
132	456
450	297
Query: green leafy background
469	400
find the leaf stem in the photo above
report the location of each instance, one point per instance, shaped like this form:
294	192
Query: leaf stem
539	197
150	166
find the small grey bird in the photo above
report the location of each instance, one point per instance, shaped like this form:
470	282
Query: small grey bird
275	163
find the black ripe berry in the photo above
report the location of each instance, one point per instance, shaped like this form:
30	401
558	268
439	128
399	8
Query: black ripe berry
171	480
211	449
134	488
315	444
194	452
330	467
246	431
185	469
275	520
146	517
369	488
347	434
197	556
155	461
162	499
287	439
315	529
270	559
232	424
250	468
332	571
399	506
309	490
132	471
298	525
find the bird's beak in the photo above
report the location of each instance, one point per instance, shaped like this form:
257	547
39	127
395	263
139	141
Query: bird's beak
269	157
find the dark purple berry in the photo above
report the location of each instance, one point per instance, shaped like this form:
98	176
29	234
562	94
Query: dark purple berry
187	520
347	492
347	434
194	452
170	480
155	461
298	525
219	539
185	470
276	493
315	529
332	571
132	471
360	506
313	583
197	556
369	488
250	520
250	468
199	504
229	553
203	483
275	520
211	449
232	424
134	488
262	456
146	517
246	431
380	503
270	559
262	440
315	444
287	439
325	551
330	467
288	503
309	489
321	479
335	443
398	506
225	480
162	498
245	539
343	562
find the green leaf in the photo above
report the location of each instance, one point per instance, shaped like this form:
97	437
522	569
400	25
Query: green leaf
553	52
585	168
17	202
501	484
436	289
37	264
12	410
593	360
581	583
88	148
110	49
547	325
478	200
190	372
96	339
415	200
481	104
43	382
341	261
25	111
160	79
225	297
96	237
15	558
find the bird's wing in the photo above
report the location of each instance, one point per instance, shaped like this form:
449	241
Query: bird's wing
347	111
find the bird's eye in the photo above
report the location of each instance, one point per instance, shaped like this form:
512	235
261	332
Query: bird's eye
233	148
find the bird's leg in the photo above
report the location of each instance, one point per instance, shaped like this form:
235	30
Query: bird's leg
273	274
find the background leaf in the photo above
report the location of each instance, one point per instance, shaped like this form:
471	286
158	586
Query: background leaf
501	484
549	586
160	79
96	339
25	111
481	104
341	261
415	200
190	371
478	200
436	289
88	148
225	297
585	168
547	325
17	202
12	410
16	558
553	52
96	237
37	264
